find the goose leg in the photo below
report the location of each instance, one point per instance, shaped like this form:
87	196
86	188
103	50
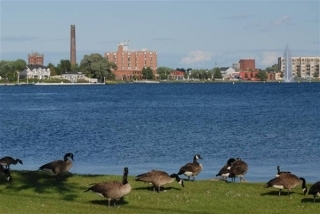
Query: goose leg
279	192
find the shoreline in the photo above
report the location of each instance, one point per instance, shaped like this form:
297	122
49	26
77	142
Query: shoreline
151	82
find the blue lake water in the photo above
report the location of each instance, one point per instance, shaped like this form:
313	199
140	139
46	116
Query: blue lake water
162	126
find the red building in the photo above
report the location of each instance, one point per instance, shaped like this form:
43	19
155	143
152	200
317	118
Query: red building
35	59
177	75
248	75
131	63
247	65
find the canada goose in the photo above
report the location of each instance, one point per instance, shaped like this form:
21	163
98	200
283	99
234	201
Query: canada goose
7	161
113	190
191	169
224	171
238	169
315	190
280	172
158	178
5	172
287	181
58	167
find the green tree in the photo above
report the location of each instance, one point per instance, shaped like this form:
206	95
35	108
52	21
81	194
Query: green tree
163	72
7	70
97	66
217	73
273	68
64	66
75	67
262	75
52	68
281	74
19	65
316	74
147	73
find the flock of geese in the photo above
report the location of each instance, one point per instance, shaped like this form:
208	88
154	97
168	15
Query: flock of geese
115	190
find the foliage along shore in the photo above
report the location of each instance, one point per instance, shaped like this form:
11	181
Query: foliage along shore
38	192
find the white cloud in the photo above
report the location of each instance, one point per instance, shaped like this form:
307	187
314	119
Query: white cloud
196	57
269	58
281	20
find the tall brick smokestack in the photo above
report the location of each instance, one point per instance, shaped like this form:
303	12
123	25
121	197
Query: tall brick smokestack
73	59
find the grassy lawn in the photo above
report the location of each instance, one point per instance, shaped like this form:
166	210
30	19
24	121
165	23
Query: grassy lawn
38	192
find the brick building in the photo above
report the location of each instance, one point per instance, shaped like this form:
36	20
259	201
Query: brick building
247	65
35	59
131	63
176	75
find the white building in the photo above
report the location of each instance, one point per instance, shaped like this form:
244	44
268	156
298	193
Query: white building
306	66
35	71
75	76
230	74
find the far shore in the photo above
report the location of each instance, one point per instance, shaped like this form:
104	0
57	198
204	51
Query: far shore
164	82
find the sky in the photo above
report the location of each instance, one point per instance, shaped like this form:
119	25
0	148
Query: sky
185	34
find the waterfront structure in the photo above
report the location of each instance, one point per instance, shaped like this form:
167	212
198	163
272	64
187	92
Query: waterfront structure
35	71
131	63
35	58
73	59
304	67
75	76
177	75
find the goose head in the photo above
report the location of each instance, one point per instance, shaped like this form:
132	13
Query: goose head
180	181
197	157
304	187
70	155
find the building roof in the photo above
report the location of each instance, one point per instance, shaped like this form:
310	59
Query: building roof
31	67
35	54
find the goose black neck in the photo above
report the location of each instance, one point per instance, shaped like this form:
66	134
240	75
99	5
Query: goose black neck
125	178
303	182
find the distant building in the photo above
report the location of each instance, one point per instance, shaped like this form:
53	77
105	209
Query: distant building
247	65
177	75
248	75
230	74
75	76
236	66
306	66
35	71
35	59
131	63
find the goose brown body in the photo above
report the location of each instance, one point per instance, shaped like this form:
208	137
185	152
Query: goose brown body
7	161
315	190
238	169
158	178
191	169
281	172
287	181
58	167
112	190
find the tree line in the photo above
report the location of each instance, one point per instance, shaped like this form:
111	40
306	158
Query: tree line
97	66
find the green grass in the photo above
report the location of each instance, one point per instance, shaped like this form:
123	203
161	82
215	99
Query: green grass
38	192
